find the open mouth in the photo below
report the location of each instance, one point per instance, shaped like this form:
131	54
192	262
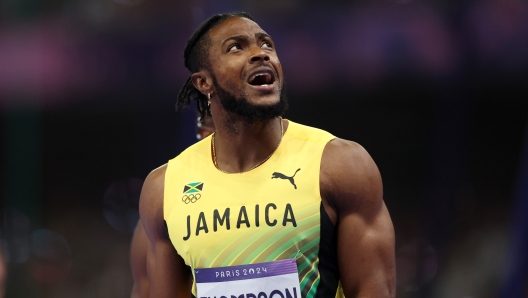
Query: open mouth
262	78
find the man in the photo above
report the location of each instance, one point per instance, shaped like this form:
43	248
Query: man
264	207
139	243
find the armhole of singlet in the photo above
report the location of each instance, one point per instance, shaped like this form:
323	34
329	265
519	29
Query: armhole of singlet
328	268
166	191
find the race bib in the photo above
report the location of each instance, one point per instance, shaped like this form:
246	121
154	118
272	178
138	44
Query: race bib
278	279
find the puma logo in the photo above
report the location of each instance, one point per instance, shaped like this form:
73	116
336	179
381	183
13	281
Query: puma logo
282	176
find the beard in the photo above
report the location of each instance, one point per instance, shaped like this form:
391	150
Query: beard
249	111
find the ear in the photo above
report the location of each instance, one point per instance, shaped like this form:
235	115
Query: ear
202	81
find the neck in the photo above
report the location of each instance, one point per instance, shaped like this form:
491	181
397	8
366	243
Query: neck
241	146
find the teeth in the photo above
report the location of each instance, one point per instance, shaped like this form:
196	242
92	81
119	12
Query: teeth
268	78
256	75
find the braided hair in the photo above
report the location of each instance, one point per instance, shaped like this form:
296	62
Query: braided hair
196	57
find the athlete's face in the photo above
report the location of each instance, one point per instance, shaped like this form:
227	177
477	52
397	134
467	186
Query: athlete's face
245	69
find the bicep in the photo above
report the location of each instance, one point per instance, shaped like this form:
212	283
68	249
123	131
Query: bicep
138	262
365	234
167	274
366	254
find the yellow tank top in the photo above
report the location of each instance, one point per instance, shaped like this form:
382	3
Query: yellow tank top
270	213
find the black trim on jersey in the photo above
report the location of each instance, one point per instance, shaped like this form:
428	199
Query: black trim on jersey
307	270
328	269
190	272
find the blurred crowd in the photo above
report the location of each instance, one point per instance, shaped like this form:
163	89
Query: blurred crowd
436	91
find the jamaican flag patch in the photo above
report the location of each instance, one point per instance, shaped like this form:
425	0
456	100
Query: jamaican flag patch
191	192
194	187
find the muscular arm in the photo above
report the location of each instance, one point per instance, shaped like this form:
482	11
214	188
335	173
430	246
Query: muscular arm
138	262
353	198
168	276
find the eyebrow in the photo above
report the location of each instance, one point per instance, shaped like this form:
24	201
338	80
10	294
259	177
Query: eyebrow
241	37
262	35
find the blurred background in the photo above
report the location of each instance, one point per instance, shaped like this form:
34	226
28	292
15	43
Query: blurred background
436	91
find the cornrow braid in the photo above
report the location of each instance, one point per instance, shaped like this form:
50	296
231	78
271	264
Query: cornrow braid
196	57
189	93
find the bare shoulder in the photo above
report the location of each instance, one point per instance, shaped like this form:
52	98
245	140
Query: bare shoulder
155	180
352	189
350	179
151	200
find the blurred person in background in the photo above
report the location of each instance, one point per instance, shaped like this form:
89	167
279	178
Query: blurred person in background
139	243
264	206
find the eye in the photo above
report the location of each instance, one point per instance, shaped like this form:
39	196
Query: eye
235	46
266	44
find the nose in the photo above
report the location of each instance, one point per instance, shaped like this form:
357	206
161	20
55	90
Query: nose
258	55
